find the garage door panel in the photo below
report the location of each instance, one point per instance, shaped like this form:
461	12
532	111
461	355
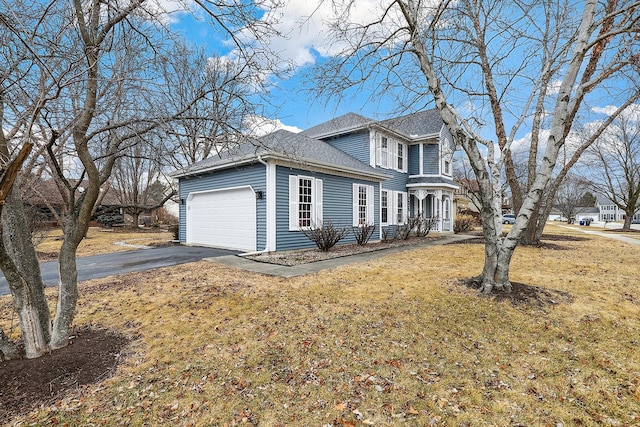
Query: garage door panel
223	218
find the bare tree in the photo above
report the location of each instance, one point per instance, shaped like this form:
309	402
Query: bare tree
136	177
81	81
517	70
617	174
570	194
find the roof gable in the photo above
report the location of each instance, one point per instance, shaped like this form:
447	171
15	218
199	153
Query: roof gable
346	123
286	146
416	125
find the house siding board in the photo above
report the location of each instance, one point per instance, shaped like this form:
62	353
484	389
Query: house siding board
354	144
414	159
337	206
397	182
430	159
253	175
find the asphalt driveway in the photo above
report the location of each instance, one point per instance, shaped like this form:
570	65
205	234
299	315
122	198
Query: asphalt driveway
97	266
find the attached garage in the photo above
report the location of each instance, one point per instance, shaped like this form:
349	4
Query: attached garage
223	218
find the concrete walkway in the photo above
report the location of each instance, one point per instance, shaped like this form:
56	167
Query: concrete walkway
313	267
615	236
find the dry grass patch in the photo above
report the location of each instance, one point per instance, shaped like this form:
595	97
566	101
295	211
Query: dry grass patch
101	241
379	343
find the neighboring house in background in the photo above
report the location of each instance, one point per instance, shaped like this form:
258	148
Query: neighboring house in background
608	211
466	198
351	170
44	203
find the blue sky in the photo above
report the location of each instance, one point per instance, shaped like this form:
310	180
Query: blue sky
304	23
293	106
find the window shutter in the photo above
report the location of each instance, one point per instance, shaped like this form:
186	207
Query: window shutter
378	148
393	207
318	202
370	211
404	207
293	203
356	218
372	149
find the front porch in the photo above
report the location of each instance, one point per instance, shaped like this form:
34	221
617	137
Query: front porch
434	204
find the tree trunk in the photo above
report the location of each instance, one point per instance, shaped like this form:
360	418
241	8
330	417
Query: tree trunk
627	221
21	269
67	292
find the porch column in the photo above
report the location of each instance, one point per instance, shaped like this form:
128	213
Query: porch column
420	194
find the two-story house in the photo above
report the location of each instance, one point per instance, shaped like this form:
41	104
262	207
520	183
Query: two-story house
351	170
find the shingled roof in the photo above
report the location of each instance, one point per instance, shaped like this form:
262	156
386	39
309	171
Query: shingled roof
287	146
413	126
343	124
416	125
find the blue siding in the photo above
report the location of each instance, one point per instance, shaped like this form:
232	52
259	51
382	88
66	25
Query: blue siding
398	181
414	159
337	206
431	159
253	175
354	144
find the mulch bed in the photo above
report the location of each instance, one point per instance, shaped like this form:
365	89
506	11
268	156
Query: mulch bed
91	356
523	294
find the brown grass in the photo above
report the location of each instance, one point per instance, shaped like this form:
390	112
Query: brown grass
101	241
377	343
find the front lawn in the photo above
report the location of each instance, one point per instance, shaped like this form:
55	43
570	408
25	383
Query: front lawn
102	240
387	342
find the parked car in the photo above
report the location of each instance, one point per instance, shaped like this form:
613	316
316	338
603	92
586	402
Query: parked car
508	219
560	218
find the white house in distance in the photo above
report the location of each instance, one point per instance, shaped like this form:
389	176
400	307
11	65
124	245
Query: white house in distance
610	212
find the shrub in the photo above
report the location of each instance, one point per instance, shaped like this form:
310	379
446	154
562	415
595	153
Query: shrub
388	234
325	236
463	223
425	225
363	233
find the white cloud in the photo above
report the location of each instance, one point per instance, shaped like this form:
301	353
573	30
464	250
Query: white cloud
304	26
632	112
260	126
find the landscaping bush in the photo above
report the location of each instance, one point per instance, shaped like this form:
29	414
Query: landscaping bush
463	223
425	225
363	233
325	236
388	234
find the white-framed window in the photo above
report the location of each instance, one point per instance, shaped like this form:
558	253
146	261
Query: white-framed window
402	157
401	207
447	208
384	207
382	151
391	154
363	205
305	202
447	167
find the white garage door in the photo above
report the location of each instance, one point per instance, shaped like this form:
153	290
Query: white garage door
222	218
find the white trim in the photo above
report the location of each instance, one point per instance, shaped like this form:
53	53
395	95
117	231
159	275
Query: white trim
294	202
421	157
369	204
271	207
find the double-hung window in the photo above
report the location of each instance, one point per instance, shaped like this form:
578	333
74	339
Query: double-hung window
400	208
402	157
391	154
384	207
383	150
393	207
305	202
363	205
